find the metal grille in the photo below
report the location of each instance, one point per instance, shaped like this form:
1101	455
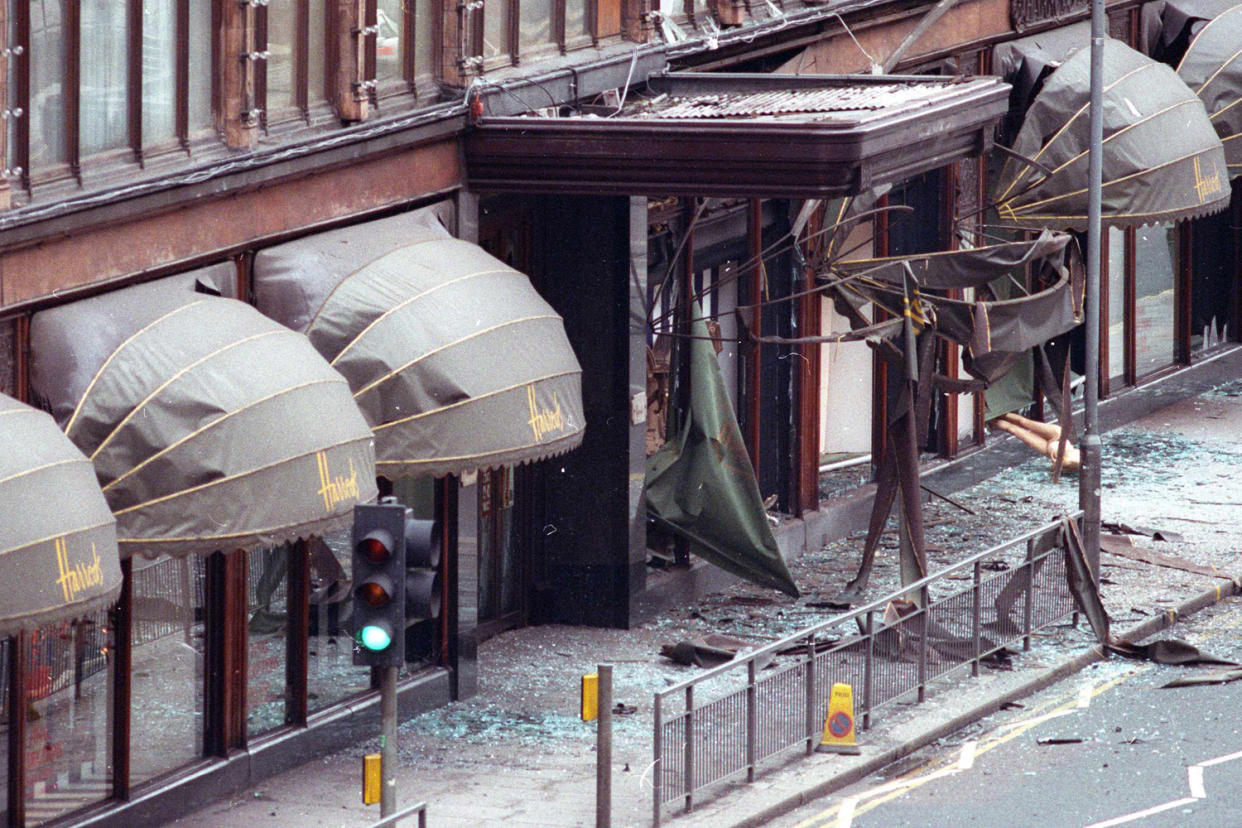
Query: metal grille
168	595
887	651
870	97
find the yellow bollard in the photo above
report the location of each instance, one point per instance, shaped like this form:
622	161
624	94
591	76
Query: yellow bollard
590	697
839	725
371	779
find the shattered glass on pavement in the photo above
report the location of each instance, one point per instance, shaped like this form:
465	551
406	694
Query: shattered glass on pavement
1178	469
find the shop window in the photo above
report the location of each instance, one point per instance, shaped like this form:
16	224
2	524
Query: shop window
1116	305
1214	278
169	647
267	694
1155	268
331	676
69	715
143	81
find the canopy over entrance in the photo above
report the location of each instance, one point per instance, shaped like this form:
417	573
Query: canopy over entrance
454	359
58	554
210	427
1162	158
744	135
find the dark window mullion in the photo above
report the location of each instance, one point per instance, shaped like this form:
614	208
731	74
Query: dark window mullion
73	84
18	663
122	616
133	72
21	64
182	73
297	647
259	67
558	24
370	45
515	31
409	21
301	56
332	28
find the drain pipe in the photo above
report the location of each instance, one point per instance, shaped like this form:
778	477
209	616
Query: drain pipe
1089	476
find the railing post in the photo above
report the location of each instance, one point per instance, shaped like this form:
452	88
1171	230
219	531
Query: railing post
924	624
657	763
976	601
867	669
810	693
1030	594
689	764
752	719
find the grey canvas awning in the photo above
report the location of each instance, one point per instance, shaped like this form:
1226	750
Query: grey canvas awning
1162	158
1212	66
210	426
720	134
993	332
453	358
58	553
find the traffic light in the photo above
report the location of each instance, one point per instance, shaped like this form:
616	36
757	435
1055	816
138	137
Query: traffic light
379	581
422	593
396	571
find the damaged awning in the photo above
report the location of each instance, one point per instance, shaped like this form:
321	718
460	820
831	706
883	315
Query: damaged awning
1162	159
993	331
701	486
209	426
744	135
454	359
58	537
1208	37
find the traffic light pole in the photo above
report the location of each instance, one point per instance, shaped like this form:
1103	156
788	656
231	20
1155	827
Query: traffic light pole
388	740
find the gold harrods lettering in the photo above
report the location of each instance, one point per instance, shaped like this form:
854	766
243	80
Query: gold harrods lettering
544	420
1206	187
77	577
339	489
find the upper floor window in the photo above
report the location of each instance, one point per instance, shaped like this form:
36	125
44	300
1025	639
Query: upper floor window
509	32
291	76
101	77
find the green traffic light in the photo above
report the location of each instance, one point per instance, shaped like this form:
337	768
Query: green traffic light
374	637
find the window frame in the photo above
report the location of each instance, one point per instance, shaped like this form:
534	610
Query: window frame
137	149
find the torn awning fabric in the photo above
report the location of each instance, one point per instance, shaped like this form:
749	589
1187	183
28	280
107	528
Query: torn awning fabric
1211	65
453	358
1162	159
701	485
58	553
993	332
210	427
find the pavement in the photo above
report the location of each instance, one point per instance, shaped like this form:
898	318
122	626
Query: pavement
517	753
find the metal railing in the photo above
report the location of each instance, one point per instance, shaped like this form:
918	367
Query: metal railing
727	720
405	813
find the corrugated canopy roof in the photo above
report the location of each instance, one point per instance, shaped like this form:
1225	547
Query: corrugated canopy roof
744	135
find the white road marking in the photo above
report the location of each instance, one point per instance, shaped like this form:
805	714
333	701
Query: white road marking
967	758
1084	696
846	815
1137	815
1195	780
1221	759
